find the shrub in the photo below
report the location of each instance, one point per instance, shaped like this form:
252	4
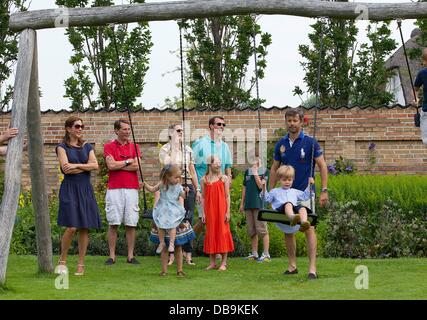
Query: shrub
342	166
354	232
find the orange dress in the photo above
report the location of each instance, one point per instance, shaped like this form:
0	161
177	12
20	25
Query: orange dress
218	237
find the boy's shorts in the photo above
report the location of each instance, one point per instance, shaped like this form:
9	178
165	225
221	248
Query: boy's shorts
122	206
295	208
254	226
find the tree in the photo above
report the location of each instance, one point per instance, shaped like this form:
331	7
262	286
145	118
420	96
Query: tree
96	82
338	37
421	40
348	76
8	48
218	55
369	74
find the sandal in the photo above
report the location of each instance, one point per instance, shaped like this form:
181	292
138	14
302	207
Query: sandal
222	268
80	270
190	262
181	274
61	268
305	226
162	274
171	259
210	267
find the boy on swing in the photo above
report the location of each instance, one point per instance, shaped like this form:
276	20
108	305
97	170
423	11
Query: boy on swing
285	198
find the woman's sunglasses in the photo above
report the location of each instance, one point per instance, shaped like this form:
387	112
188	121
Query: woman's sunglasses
79	126
178	130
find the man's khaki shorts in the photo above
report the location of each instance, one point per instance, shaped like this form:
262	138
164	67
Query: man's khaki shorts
255	227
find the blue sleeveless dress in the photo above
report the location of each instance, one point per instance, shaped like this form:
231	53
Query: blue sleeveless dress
77	203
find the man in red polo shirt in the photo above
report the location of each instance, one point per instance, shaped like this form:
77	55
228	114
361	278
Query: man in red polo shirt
121	200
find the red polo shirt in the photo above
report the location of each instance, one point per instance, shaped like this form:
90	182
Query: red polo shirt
118	179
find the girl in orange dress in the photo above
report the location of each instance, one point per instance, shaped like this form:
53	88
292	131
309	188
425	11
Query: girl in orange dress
216	216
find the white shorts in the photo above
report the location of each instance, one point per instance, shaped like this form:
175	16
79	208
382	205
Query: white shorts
423	120
290	230
122	206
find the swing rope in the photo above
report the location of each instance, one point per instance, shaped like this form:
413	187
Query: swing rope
273	215
257	96
123	87
417	115
319	69
183	145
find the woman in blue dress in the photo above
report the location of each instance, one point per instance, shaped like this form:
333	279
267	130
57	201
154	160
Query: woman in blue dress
78	210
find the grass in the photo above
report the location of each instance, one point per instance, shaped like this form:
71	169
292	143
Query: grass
388	279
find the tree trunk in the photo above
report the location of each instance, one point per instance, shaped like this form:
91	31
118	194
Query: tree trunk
38	179
13	168
97	16
216	28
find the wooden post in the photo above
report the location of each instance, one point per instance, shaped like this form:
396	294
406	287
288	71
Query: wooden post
13	167
160	11
38	178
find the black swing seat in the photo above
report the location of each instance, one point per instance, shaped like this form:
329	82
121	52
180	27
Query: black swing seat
277	216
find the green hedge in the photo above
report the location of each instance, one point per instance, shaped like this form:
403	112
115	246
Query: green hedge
379	216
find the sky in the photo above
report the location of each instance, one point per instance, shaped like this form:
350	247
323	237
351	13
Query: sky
282	74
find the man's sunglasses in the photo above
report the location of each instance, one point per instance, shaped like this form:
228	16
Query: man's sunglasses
79	126
178	130
219	124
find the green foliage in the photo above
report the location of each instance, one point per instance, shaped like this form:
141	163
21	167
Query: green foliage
354	232
339	37
372	192
97	78
369	73
347	76
342	166
8	48
218	55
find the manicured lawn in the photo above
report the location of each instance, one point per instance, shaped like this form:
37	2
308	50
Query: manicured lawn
388	279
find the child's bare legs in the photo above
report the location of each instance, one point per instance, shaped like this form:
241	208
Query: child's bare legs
289	211
172	235
305	224
223	265
212	264
162	240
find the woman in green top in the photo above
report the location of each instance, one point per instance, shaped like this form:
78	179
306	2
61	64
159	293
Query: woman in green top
251	204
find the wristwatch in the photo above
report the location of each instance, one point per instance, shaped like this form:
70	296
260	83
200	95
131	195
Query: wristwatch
324	189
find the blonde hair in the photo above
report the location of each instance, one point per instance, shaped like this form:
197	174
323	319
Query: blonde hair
167	172
286	172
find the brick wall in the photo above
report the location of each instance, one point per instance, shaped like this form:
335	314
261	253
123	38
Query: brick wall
341	132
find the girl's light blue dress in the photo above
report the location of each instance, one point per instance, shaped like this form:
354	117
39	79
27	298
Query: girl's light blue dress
168	212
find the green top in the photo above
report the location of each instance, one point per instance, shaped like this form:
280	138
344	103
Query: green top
252	199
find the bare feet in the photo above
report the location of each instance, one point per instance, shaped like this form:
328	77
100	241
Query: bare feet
211	266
